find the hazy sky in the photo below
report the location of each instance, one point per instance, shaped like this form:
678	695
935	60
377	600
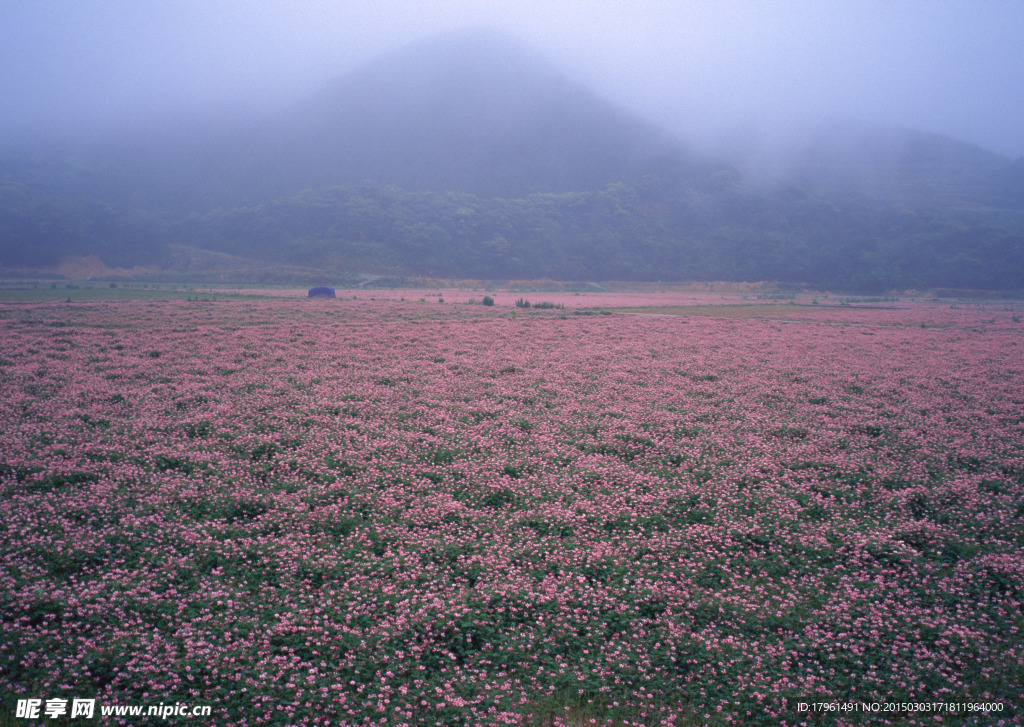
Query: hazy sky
710	70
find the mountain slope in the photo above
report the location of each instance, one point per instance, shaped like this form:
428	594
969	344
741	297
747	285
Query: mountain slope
473	112
467	156
904	166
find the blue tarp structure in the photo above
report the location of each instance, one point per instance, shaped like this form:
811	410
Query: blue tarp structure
321	291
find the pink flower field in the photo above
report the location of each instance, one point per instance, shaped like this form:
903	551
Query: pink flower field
383	512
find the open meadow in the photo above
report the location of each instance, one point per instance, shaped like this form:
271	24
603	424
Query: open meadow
386	510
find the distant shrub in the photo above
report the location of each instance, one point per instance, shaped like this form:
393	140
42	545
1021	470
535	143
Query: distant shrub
548	304
488	300
522	303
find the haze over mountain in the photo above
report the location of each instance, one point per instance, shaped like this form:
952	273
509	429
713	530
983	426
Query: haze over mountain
474	112
716	74
903	165
469	155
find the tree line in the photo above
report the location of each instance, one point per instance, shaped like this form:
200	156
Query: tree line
652	229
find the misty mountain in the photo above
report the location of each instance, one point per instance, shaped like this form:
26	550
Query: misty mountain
474	112
468	156
904	166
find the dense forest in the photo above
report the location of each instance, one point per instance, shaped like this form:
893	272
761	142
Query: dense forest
473	160
646	230
642	231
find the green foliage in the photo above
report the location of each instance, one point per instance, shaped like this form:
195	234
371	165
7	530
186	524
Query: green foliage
656	229
40	226
488	300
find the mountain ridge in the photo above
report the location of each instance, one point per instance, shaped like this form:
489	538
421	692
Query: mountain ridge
474	112
844	156
471	156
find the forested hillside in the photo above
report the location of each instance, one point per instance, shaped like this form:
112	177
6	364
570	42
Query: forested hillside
472	158
643	231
